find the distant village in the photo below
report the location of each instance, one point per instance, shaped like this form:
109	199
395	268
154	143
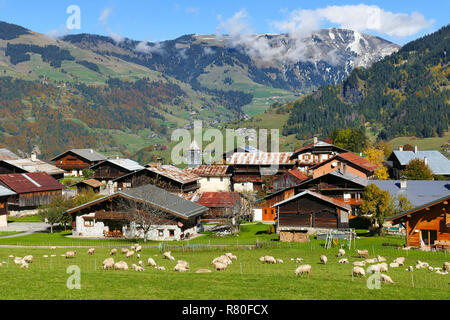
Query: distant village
318	188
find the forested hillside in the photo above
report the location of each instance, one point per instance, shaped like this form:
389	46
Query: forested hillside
405	94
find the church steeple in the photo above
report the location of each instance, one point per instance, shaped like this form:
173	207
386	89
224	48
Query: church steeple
194	155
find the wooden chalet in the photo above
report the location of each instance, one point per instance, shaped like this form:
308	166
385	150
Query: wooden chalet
111	216
5	193
167	177
213	178
289	179
250	168
315	153
89	185
112	169
264	210
75	161
31	165
221	205
32	189
428	225
309	211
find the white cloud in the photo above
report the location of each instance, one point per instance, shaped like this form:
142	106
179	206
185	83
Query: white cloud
104	21
192	10
145	47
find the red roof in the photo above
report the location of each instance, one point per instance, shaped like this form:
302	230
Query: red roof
352	158
298	174
30	182
218	199
210	171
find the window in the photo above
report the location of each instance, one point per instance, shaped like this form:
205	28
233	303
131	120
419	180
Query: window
88	223
429	236
172	233
208	179
221	179
160	233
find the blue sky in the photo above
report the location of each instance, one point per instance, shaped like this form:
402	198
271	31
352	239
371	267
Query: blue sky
156	20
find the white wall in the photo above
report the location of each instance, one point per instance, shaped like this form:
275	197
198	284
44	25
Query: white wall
243	187
3	221
257	215
215	185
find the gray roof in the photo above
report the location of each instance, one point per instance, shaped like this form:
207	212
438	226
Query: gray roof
37	165
418	192
166	200
124	163
333	201
5	154
437	162
4	192
88	154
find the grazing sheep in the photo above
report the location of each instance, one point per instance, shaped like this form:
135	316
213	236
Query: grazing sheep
394	265
280	261
108	264
28	259
91	251
269	259
11	256
121	265
151	262
203	271
113	252
53	248
359	263
299	260
18	260
358	271
223	259
138	248
400	261
363	253
446	266
124	251
180	268
137	268
168	255
383	267
431	269
218	266
440	272
24	266
323	259
130	254
381	259
305	268
183	263
231	256
161	268
261	259
374	260
373	268
141	263
343	260
386	279
410	269
70	254
45	256
341	253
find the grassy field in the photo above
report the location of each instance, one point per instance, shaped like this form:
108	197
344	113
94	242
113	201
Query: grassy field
245	279
9	233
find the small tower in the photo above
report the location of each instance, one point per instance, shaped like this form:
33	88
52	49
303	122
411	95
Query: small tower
194	156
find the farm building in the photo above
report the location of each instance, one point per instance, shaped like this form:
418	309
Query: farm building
436	161
310	212
315	153
213	178
169	216
249	169
346	162
32	190
89	185
290	179
167	177
114	168
29	166
221	205
263	209
75	160
427	225
6	154
5	193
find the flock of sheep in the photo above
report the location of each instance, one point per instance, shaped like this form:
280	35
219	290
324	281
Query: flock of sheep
221	263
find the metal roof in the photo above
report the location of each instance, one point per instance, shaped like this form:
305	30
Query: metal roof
126	164
174	173
91	182
5	192
261	158
352	158
318	145
316	195
218	199
423	206
37	165
437	162
210	171
418	192
88	154
31	182
5	154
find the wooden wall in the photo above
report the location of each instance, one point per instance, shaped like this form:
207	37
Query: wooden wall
71	161
107	171
3	206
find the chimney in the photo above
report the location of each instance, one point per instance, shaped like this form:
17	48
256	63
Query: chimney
415	149
403	182
159	163
33	156
316	140
400	148
110	187
91	151
425	159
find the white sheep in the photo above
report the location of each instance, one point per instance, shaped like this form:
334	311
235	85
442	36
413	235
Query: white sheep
24	265
373	260
270	260
137	268
231	256
130	254
373	268
223	259
305	268
343	260
141	263
70	254
113	252
363	253
410	269
280	261
91	251
341	253
151	262
53	248
138	248
381	259
45	256
18	260
121	265
386	279
218	266
358	271
383	267
180	268
161	268
168	255
203	271
108	264
28	259
394	265
446	266
124	251
299	260
183	263
400	261
359	263
323	259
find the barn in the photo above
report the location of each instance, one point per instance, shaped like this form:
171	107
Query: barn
428	225
114	168
222	205
33	164
310	212
32	190
76	160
